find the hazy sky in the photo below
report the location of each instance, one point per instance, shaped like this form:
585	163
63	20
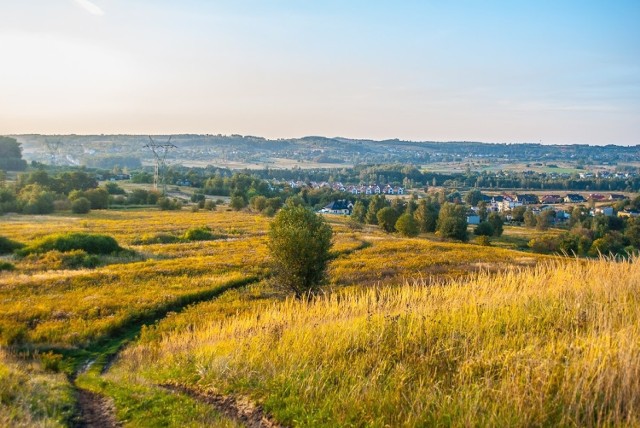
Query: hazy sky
497	71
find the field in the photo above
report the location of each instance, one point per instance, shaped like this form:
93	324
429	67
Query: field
407	332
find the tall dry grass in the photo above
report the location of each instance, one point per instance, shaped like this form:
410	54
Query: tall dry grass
558	344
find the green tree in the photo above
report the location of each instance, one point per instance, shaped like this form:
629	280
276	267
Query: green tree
484	229
81	206
237	203
359	212
473	197
375	204
99	198
387	218
426	215
517	214
497	223
407	225
11	155
35	199
544	220
452	221
258	203
299	244
529	218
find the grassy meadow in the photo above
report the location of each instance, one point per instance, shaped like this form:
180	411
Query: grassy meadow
407	332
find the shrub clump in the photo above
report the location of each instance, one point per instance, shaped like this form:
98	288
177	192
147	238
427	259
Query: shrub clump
66	242
168	204
75	259
198	234
81	206
8	246
6	266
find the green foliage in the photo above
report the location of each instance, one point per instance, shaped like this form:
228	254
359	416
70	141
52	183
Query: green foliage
169	204
11	155
544	220
609	244
113	189
452	222
65	242
81	206
74	259
484	229
35	199
375	204
99	198
517	214
6	266
473	197
545	244
51	361
407	225
299	243
497	223
359	212
198	234
258	203
237	203
426	216
8	200
529	219
387	218
8	246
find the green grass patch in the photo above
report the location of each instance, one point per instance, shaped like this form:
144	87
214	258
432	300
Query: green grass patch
65	242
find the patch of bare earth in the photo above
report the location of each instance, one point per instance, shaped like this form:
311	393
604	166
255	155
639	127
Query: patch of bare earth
236	408
95	411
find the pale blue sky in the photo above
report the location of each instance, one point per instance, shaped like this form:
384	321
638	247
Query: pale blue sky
496	71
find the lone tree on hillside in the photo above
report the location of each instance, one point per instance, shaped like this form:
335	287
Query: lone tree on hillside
299	243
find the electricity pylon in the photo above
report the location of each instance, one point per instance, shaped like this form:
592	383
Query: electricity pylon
160	151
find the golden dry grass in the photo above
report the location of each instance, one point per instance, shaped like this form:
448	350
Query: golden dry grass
558	344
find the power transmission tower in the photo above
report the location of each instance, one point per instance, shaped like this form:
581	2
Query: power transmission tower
160	151
54	150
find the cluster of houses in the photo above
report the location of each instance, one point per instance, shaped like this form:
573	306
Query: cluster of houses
115	177
502	203
607	174
361	189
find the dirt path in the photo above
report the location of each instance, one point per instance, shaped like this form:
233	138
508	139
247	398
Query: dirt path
238	409
94	411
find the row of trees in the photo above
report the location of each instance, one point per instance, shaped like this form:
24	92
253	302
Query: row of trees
412	217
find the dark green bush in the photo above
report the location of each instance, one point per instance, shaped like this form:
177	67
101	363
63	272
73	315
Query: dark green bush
81	206
168	204
198	234
65	242
8	246
6	266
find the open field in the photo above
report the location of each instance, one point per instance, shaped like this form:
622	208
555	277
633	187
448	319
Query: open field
553	345
402	324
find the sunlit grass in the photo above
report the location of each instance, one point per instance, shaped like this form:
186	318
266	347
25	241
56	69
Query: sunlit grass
555	345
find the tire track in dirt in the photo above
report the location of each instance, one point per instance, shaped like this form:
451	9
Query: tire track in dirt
94	411
237	408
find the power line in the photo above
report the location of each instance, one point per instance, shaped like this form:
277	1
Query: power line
160	151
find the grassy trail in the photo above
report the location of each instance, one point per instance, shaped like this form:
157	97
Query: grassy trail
95	405
94	409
